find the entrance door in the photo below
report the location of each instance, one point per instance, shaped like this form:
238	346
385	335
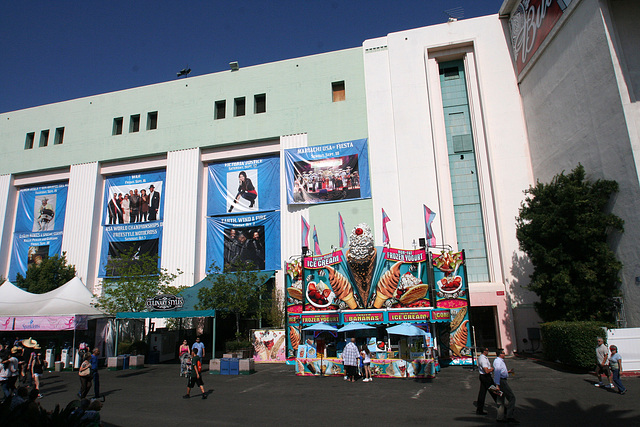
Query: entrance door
484	319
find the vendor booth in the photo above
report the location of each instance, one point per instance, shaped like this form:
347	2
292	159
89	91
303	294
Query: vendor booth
67	308
412	306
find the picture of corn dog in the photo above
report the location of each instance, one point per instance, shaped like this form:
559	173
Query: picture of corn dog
387	285
341	287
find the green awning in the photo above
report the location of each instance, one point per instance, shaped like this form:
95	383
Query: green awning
190	296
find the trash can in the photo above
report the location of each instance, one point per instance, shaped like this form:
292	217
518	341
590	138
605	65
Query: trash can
125	362
234	366
58	366
225	366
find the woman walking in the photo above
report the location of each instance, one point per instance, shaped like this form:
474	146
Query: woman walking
85	376
615	363
36	369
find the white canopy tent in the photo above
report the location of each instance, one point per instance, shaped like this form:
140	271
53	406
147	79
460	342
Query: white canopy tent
70	299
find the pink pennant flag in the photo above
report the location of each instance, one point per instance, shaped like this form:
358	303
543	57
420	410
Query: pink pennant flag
305	233
316	245
429	216
385	233
343	232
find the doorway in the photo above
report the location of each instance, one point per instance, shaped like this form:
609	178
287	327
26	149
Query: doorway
484	321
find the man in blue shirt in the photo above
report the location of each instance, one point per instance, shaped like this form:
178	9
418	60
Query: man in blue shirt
94	372
500	376
199	347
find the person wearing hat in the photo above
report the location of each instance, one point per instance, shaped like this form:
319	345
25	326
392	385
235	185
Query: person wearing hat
36	367
15	368
154	203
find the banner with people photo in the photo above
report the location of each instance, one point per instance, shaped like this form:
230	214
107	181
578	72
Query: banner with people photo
328	173
134	198
244	186
452	292
41	208
131	240
31	249
247	239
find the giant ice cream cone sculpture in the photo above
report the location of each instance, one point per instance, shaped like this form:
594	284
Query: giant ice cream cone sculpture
387	285
361	258
341	287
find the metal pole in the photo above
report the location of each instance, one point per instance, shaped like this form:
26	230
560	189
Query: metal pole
213	344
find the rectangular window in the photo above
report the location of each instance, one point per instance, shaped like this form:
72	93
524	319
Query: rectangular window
44	138
152	120
28	142
260	103
117	126
134	123
338	91
220	110
239	107
59	136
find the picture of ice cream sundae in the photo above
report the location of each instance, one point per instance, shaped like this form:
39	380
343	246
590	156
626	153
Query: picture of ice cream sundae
361	258
410	289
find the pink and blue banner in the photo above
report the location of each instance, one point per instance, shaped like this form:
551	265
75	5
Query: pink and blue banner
385	233
327	173
429	216
50	323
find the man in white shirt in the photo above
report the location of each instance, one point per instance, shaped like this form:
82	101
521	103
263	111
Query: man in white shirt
500	376
484	366
602	365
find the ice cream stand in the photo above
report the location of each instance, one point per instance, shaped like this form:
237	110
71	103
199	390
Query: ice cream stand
379	287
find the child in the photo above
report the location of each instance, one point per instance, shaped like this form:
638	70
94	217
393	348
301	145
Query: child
366	362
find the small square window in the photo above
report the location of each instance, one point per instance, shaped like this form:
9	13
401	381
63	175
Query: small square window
134	123
220	110
59	136
152	120
44	138
28	142
117	126
338	91
239	107
260	102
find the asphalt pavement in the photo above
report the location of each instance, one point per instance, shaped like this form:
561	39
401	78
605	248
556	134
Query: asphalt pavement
274	395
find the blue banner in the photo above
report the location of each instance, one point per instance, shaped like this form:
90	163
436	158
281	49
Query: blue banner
328	173
31	249
244	238
243	186
133	198
41	208
135	239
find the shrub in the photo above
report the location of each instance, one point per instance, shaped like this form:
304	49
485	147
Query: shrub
572	343
124	347
138	348
234	346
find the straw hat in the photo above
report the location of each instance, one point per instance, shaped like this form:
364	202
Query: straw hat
29	342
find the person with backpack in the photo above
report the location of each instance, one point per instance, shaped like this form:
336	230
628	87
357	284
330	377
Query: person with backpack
195	375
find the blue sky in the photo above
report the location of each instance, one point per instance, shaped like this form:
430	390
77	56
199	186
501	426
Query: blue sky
53	51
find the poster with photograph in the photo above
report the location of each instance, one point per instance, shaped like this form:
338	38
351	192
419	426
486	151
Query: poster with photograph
244	186
327	173
253	239
134	198
31	249
131	239
41	208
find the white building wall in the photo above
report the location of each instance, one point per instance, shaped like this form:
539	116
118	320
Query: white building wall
408	152
83	209
181	211
7	196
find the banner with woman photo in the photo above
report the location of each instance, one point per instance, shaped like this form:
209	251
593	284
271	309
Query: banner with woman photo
328	173
246	239
134	198
243	186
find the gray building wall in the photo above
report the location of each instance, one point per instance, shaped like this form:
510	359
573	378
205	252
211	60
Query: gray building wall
575	114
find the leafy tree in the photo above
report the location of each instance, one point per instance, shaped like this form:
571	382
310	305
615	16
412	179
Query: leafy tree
563	227
139	278
50	274
236	293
